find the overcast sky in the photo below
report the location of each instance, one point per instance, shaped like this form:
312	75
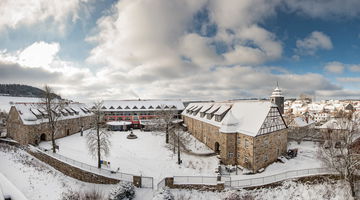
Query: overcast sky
188	49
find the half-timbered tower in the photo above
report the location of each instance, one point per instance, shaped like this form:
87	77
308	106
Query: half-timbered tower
252	134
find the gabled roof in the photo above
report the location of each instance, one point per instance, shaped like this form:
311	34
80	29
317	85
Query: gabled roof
141	105
30	112
246	117
301	122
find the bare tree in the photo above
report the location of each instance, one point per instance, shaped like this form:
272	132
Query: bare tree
52	107
298	133
98	139
338	152
164	120
178	140
3	118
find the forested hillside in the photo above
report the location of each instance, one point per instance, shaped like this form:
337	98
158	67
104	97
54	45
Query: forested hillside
17	90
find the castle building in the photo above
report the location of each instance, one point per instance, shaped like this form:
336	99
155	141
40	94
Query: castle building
138	112
252	134
27	123
278	99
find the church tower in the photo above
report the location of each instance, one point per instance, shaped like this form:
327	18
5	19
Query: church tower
277	98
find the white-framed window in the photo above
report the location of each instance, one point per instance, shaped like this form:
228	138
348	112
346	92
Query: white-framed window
266	158
230	154
246	143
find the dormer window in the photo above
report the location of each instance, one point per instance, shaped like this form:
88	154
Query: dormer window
103	107
93	107
173	107
150	107
218	118
142	107
166	107
119	107
135	107
127	107
76	112
111	107
209	116
202	114
158	107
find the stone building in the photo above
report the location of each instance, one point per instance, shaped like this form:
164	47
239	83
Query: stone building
27	123
252	134
138	112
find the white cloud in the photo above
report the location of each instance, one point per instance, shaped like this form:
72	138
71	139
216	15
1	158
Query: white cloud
39	54
146	49
324	9
334	67
314	42
354	68
348	79
28	12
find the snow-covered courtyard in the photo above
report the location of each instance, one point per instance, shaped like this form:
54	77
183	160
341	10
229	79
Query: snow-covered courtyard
147	155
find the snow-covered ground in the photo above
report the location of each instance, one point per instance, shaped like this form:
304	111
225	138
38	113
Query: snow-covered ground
306	159
6	101
289	190
147	155
37	180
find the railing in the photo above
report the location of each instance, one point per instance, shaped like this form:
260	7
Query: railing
276	177
195	180
147	182
161	184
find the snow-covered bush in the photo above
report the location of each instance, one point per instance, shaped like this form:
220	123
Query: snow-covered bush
123	191
163	194
84	195
235	195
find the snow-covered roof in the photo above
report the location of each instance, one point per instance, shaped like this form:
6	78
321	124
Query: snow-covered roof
7	101
118	123
337	124
245	117
33	113
301	122
141	105
277	92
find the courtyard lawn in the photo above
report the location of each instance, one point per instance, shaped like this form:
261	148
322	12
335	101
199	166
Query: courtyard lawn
147	155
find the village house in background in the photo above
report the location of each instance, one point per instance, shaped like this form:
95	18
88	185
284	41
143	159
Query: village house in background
125	114
27	122
252	134
320	111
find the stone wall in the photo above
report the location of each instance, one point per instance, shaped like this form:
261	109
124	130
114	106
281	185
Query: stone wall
71	171
169	182
258	152
268	147
245	150
210	136
31	134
